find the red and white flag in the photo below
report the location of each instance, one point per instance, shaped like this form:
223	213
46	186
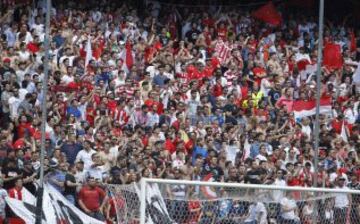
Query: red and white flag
343	133
127	57
308	108
209	192
223	51
88	56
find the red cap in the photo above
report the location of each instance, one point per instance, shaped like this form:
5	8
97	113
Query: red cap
6	60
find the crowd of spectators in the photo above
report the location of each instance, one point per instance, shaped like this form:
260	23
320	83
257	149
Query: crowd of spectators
156	99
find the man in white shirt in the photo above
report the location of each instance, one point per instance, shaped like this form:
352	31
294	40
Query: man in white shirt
289	210
96	170
85	155
279	181
342	202
67	56
14	102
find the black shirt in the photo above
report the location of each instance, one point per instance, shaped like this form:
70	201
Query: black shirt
192	35
253	177
69	190
274	96
216	172
10	172
29	186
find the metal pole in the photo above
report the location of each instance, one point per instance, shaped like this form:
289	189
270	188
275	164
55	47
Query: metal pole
318	87
143	183
43	113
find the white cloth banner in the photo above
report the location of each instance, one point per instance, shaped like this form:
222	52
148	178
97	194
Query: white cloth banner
56	208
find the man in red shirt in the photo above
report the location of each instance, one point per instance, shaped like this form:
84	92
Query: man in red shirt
92	199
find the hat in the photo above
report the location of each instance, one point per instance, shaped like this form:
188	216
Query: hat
6	60
53	163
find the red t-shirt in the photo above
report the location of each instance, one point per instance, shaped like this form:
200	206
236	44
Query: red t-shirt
23	127
91	197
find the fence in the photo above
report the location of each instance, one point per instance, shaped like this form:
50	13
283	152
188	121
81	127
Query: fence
180	201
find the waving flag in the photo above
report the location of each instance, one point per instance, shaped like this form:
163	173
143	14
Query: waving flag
223	51
332	56
308	108
88	56
352	41
268	14
343	132
209	192
127	57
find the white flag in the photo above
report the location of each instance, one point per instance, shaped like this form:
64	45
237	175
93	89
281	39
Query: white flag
88	53
247	147
343	132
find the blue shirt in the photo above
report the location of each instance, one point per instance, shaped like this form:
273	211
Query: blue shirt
198	151
254	150
71	150
58	176
159	80
74	111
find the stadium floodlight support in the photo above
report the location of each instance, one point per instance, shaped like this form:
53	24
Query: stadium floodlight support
145	182
39	201
318	88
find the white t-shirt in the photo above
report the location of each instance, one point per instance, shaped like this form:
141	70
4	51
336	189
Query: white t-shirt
66	79
341	200
289	203
14	103
277	195
231	152
85	156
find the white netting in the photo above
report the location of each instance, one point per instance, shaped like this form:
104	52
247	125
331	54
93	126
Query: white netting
187	204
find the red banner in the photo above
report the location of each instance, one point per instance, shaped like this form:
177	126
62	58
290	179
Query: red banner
268	14
333	58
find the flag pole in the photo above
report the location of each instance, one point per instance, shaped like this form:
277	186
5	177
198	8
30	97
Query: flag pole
318	88
39	201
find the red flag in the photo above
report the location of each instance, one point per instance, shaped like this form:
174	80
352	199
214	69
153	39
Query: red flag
268	14
129	57
332	56
308	108
353	42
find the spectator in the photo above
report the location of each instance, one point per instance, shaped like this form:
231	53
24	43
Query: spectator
92	199
342	202
70	184
289	210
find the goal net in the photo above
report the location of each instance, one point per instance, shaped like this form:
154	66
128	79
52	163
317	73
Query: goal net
188	202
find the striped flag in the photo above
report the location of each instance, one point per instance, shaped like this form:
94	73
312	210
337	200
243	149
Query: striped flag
223	51
308	108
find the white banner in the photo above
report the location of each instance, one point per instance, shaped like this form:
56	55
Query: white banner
56	208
